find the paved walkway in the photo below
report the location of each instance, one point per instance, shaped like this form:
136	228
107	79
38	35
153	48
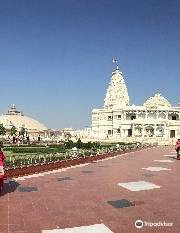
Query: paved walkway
103	197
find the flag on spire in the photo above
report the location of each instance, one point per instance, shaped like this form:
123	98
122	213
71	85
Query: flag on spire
114	60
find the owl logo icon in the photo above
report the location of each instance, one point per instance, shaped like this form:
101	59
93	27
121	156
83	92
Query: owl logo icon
139	224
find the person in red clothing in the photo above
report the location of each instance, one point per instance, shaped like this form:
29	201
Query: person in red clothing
1	181
178	148
2	159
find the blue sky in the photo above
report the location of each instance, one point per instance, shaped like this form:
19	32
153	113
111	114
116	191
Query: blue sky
56	55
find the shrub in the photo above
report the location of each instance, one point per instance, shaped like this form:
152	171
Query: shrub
69	144
79	144
34	150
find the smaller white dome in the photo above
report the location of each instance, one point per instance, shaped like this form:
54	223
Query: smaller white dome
17	119
157	101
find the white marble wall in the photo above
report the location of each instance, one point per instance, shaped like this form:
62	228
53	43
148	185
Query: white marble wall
110	121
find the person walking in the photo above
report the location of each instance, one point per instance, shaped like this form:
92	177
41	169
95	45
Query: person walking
1	182
178	148
2	159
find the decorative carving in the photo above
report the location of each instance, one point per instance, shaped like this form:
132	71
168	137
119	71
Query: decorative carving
117	94
155	120
157	101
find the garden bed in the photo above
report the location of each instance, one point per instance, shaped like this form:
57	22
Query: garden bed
37	168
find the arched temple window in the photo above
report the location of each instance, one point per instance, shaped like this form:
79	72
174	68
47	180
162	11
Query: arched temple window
130	116
159	131
118	130
149	131
138	131
173	116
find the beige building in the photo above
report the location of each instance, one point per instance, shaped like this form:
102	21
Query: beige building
16	118
84	134
155	121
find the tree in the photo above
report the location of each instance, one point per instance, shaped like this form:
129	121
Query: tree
67	136
79	144
2	130
13	130
23	131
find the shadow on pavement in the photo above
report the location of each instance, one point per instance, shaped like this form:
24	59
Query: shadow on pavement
173	158
9	187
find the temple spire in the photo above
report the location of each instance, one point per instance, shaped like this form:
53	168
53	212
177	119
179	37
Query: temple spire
13	111
117	94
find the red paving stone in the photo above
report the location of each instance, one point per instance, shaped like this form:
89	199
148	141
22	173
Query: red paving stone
83	200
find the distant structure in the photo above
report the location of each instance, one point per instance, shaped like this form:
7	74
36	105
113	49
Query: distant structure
155	121
17	119
74	134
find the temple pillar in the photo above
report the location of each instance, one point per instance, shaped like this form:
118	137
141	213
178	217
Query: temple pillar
143	131
157	115
167	114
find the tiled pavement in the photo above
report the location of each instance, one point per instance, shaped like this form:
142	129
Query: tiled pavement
103	197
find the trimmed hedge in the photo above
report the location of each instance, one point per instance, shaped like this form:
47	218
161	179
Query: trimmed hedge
25	145
45	150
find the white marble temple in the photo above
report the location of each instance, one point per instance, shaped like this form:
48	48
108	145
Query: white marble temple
155	121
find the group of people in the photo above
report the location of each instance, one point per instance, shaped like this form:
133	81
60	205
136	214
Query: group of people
20	139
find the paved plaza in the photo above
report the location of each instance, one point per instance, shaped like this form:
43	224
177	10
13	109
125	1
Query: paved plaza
107	196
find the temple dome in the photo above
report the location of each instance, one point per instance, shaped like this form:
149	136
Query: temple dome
157	101
16	118
117	94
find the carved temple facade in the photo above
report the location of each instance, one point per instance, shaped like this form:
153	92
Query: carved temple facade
155	121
